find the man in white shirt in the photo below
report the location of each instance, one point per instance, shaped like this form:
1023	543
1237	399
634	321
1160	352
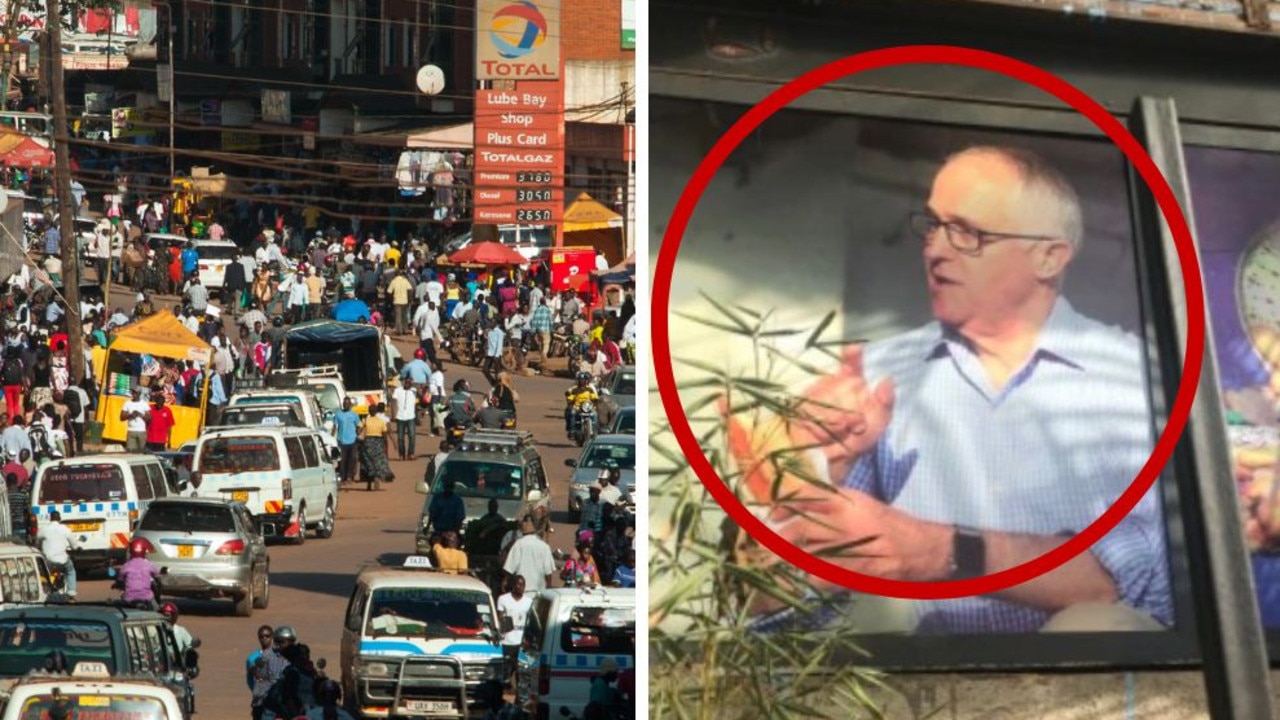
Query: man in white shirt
530	557
14	439
437	388
135	414
426	320
513	612
435	289
56	541
406	400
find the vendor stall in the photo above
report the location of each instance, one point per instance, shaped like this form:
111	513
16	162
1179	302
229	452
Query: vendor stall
131	349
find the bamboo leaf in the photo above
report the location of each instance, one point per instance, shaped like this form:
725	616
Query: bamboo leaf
725	311
821	328
734	329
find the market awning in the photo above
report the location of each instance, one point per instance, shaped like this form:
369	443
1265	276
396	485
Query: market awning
162	335
584	213
453	137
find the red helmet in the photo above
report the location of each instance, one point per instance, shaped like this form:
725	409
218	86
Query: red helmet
170	611
420	354
138	548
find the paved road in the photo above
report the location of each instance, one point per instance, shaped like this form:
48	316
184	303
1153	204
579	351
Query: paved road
311	583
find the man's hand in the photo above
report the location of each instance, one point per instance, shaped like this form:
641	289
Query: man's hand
897	546
840	414
844	414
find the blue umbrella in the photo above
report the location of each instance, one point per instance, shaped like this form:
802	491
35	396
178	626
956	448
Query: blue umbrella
351	310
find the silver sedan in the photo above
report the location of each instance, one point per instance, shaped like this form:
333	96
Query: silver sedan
207	548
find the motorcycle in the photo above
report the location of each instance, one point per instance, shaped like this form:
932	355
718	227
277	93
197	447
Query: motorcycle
584	423
453	434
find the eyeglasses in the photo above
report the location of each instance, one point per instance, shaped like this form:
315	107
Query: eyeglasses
963	238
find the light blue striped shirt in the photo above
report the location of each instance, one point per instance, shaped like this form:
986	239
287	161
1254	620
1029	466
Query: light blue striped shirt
1045	455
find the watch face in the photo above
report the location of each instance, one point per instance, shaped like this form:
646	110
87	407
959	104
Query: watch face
1259	293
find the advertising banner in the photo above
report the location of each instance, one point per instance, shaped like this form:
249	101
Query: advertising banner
883	280
1238	230
518	39
519	160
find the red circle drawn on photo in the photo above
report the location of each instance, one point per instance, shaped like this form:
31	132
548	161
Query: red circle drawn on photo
935	55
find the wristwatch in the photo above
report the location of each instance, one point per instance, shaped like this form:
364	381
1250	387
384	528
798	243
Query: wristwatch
968	553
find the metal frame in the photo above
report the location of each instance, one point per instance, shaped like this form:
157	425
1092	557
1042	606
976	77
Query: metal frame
1236	673
1177	647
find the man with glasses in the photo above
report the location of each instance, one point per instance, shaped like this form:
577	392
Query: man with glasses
988	437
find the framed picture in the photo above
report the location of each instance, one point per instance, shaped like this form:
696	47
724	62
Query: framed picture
933	243
1238	232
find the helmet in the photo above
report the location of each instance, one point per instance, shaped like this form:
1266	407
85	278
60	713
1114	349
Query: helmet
420	354
285	632
170	611
584	376
138	548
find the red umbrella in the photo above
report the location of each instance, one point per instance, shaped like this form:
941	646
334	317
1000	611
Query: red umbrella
488	253
28	154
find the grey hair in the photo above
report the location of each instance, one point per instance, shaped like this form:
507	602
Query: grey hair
1044	180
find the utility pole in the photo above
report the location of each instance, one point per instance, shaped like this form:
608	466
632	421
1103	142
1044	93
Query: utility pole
66	208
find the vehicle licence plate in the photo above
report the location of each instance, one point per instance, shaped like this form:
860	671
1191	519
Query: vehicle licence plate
240	496
186	551
84	527
429	706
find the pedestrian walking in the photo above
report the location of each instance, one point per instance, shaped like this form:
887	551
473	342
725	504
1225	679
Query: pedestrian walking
405	398
513	613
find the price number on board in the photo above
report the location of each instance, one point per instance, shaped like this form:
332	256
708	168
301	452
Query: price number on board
528	216
523	195
530	176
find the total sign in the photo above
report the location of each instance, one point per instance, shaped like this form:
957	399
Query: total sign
518	40
519	161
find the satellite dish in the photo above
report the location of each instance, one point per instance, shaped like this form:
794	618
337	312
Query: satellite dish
430	79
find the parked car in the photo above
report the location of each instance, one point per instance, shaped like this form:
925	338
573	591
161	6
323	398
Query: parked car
91	686
487	464
617	390
208	548
215	256
285	476
267	414
177	463
418	642
99	497
624	422
129	642
603	452
568	636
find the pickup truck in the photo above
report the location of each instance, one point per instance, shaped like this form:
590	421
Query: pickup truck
357	351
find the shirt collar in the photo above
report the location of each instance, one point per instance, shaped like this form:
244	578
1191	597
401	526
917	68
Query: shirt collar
1059	338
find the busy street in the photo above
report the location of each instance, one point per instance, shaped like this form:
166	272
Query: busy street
380	512
312	583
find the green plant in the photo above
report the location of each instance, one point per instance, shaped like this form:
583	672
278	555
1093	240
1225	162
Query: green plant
708	581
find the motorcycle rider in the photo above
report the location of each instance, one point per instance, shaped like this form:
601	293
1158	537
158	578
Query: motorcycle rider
490	417
574	397
137	575
180	634
461	408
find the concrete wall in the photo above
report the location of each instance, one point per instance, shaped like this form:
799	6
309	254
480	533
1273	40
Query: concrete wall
1109	696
